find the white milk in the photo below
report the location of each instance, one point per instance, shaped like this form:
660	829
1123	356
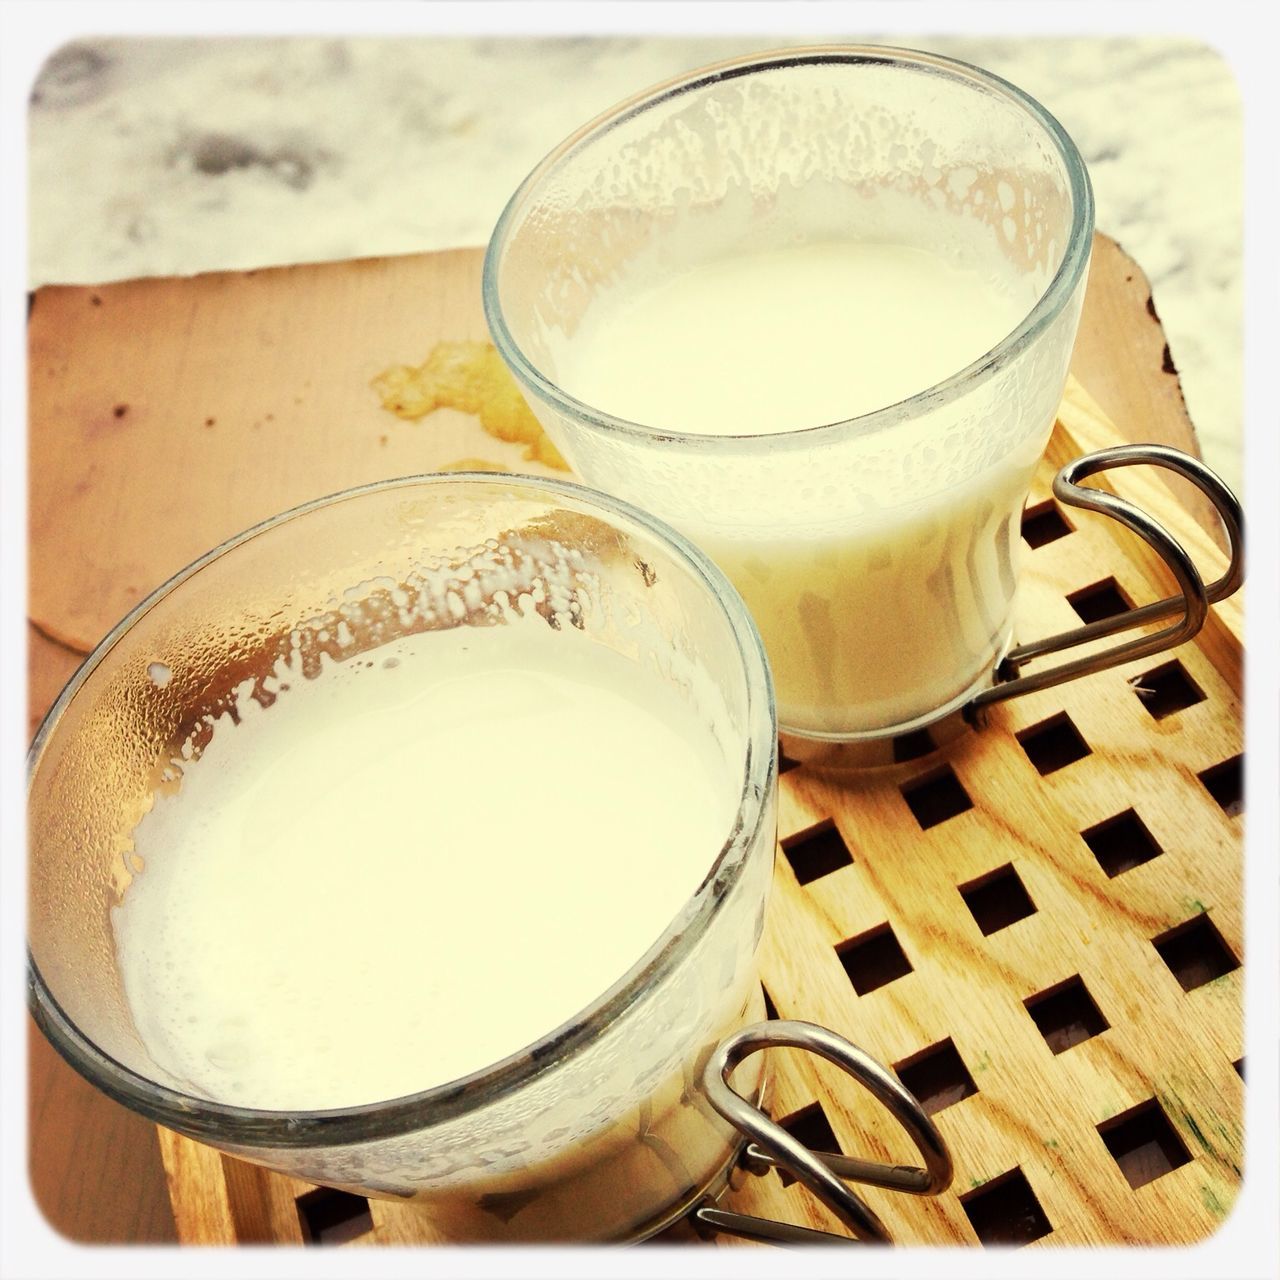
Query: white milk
872	618
782	339
894	615
401	873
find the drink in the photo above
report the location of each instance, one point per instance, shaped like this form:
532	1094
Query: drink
904	611
887	611
406	870
814	308
455	787
770	340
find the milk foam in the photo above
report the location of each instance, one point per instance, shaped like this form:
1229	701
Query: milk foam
402	872
783	339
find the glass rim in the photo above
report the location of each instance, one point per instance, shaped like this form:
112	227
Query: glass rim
1070	271
227	1123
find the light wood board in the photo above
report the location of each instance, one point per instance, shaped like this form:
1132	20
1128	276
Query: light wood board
245	394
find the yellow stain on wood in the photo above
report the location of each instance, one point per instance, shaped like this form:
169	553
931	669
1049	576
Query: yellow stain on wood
471	377
474	464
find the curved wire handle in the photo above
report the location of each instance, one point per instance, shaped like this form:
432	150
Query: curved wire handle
771	1145
1193	601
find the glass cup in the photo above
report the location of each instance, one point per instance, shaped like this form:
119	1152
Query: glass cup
600	1129
877	554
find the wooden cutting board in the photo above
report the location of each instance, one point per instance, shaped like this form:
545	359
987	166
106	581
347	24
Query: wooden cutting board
167	415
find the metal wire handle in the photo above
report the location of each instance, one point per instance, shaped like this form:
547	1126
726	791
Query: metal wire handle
1192	603
822	1172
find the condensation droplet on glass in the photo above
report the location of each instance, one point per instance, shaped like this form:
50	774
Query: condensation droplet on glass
159	674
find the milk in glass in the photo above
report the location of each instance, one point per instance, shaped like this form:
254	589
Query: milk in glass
872	614
472	834
404	872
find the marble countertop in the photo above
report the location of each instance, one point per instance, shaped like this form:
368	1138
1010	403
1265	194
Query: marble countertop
174	156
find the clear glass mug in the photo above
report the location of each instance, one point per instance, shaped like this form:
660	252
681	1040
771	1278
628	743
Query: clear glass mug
546	1142
603	1128
878	555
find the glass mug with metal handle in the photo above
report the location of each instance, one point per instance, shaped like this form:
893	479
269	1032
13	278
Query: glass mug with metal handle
607	1127
890	211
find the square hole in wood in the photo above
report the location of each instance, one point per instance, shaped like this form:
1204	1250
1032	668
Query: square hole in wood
1195	952
1101	600
1043	523
998	899
817	853
1066	1014
1121	843
1143	1143
935	797
1053	744
810	1126
1006	1211
1225	783
1166	689
328	1216
873	959
911	746
937	1076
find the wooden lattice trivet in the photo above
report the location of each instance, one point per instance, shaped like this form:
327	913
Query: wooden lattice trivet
1038	926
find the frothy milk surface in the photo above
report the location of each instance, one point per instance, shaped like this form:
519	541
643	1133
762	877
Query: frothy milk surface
783	339
876	608
402	872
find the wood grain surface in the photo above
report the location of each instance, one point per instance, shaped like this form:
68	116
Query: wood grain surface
166	415
1035	1113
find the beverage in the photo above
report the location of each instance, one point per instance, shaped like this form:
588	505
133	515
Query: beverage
888	615
418	843
884	610
408	868
770	340
814	308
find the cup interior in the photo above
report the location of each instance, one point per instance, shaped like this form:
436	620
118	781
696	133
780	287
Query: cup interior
799	146
326	587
